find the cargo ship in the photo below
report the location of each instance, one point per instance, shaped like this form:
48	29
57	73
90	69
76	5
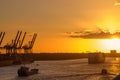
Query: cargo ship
94	58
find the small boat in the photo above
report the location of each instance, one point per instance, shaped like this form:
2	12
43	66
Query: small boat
24	71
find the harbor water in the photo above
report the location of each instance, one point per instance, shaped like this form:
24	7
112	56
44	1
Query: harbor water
77	69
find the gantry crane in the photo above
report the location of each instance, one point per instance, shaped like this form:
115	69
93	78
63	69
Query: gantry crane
17	43
28	48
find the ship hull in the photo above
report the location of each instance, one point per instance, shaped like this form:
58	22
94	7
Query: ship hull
24	71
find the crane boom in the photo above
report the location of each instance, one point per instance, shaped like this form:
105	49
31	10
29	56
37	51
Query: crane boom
18	38
33	40
22	40
2	36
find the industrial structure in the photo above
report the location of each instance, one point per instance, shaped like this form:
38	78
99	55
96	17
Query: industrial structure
28	48
16	45
2	34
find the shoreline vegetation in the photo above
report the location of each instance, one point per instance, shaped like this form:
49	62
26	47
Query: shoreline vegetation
17	59
51	56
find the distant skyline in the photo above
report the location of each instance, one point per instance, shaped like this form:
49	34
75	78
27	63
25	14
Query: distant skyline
52	19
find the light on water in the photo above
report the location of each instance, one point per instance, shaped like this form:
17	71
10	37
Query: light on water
78	69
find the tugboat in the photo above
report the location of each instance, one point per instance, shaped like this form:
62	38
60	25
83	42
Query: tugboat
24	71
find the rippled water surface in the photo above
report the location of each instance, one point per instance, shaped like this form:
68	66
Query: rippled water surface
78	69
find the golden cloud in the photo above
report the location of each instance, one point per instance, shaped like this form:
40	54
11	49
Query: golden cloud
117	3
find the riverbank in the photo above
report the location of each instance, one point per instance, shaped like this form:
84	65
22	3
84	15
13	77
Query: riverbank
49	56
6	60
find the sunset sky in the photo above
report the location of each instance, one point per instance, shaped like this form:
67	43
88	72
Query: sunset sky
57	23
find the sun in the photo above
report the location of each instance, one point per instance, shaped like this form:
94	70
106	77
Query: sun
111	44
